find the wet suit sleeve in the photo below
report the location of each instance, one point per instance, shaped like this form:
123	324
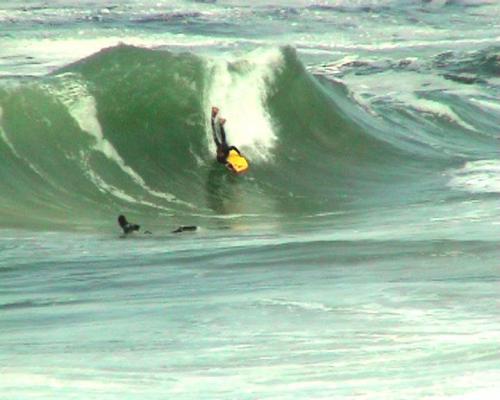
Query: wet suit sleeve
216	140
223	135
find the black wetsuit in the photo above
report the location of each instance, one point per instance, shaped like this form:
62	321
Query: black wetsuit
223	148
127	226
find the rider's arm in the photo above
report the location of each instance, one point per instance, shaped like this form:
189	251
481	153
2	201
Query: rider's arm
216	140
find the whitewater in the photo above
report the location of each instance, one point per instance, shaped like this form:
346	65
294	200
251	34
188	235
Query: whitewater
357	259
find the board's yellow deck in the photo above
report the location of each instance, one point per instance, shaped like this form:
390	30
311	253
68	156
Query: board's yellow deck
236	162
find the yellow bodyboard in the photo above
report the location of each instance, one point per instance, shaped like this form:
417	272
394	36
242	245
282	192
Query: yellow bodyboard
236	163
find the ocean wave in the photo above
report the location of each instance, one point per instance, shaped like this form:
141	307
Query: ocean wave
128	128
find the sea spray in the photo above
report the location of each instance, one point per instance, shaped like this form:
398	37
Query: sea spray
239	88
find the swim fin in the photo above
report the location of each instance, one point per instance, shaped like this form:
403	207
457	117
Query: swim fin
185	228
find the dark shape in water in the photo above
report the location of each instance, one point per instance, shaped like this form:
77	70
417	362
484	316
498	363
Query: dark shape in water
127	226
189	228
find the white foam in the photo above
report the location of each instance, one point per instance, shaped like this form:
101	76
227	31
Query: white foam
105	187
438	109
402	88
312	306
490	104
241	98
3	135
477	177
12	379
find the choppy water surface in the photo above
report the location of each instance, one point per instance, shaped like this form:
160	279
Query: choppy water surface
358	258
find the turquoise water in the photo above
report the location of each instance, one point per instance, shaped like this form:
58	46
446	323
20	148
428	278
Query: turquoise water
358	258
